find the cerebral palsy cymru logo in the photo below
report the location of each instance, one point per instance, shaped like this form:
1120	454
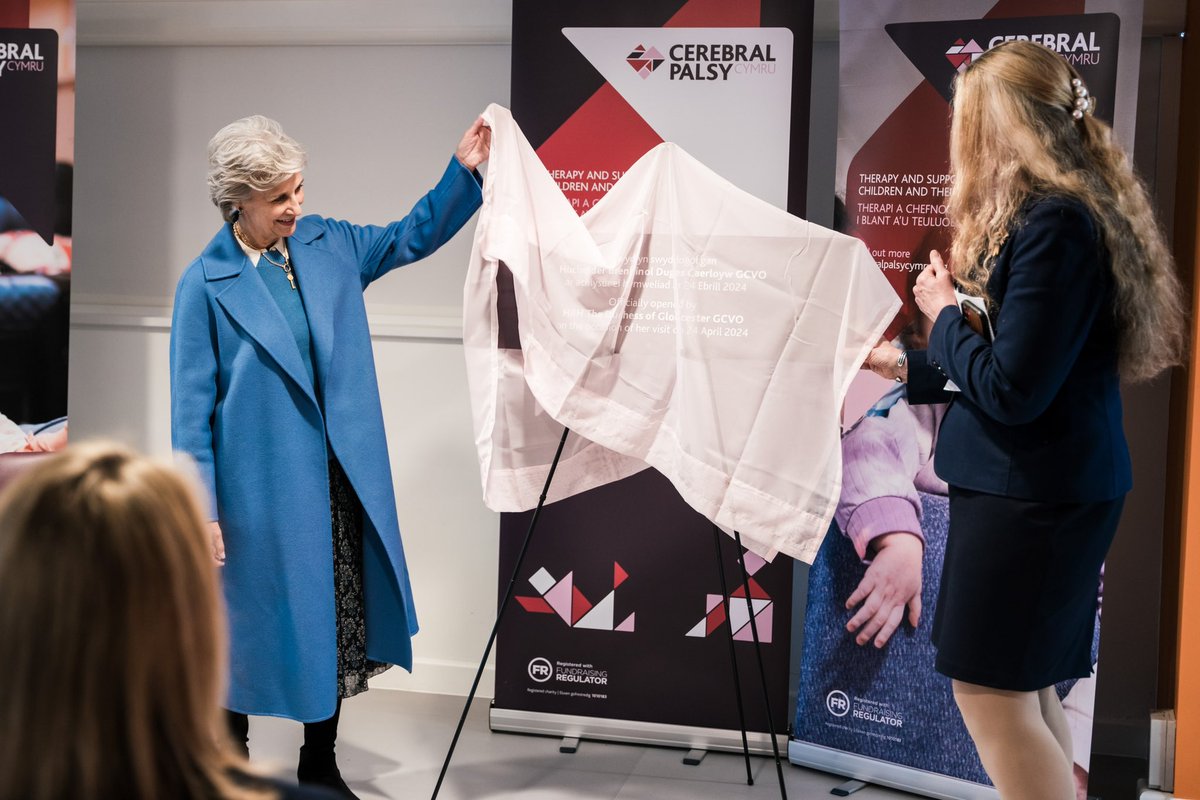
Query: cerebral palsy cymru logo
15	57
961	55
644	61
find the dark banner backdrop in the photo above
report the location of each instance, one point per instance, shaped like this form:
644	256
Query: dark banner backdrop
37	85
29	98
639	565
617	612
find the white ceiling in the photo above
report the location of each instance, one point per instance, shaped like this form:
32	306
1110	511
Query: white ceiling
215	22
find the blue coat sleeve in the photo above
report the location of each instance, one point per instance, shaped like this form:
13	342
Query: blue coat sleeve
1055	288
194	379
432	222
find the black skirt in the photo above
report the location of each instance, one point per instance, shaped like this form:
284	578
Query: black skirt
353	666
1020	586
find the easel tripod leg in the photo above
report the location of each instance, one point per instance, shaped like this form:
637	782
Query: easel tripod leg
737	681
762	672
512	583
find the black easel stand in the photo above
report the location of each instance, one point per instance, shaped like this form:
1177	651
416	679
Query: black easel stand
737	679
762	672
508	594
500	614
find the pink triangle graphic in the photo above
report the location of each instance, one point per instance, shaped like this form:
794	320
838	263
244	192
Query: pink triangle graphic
762	621
753	562
559	597
711	602
627	625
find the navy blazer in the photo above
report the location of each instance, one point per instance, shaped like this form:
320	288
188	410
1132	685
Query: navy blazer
1039	414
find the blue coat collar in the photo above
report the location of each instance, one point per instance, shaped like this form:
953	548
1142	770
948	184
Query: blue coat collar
246	299
223	256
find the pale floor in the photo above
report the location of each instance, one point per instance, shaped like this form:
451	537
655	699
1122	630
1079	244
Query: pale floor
391	745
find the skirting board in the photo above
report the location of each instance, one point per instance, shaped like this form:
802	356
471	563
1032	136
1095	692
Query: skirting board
630	731
437	677
883	773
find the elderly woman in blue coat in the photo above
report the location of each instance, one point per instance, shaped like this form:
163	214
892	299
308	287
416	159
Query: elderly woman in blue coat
273	394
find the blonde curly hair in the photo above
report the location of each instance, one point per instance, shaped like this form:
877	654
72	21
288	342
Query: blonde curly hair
1014	135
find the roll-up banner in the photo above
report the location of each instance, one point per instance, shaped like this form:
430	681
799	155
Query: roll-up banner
885	715
617	630
37	102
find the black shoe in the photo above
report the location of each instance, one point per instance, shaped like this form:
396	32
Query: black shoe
323	772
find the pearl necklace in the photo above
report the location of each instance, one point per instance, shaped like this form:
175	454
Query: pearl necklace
286	266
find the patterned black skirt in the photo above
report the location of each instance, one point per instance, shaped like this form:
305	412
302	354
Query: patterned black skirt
353	666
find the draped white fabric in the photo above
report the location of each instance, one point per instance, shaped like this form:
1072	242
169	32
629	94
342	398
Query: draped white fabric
680	323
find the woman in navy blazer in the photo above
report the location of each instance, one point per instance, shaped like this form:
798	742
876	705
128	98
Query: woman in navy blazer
1053	229
274	395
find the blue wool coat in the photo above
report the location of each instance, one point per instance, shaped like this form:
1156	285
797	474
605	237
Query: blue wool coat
243	406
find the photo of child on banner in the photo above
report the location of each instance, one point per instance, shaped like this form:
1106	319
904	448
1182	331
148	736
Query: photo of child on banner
896	708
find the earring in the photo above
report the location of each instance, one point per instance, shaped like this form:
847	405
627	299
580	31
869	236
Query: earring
235	215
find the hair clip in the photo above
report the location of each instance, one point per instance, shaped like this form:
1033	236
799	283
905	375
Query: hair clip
1084	103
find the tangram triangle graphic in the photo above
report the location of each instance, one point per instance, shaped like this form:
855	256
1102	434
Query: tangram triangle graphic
739	615
645	61
563	597
961	55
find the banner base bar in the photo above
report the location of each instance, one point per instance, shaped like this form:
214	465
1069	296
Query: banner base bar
884	773
509	720
848	788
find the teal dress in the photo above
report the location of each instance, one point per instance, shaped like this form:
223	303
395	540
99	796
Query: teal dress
354	669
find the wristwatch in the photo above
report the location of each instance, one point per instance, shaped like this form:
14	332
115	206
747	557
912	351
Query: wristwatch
901	360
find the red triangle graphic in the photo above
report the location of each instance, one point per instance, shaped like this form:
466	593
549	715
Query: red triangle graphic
717	14
757	592
535	605
605	133
579	605
619	575
714	620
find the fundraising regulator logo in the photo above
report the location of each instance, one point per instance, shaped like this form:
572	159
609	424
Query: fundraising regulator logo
566	673
701	61
21	57
540	670
837	703
875	713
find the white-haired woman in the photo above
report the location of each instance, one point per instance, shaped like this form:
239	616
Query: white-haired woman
112	638
273	393
1053	228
